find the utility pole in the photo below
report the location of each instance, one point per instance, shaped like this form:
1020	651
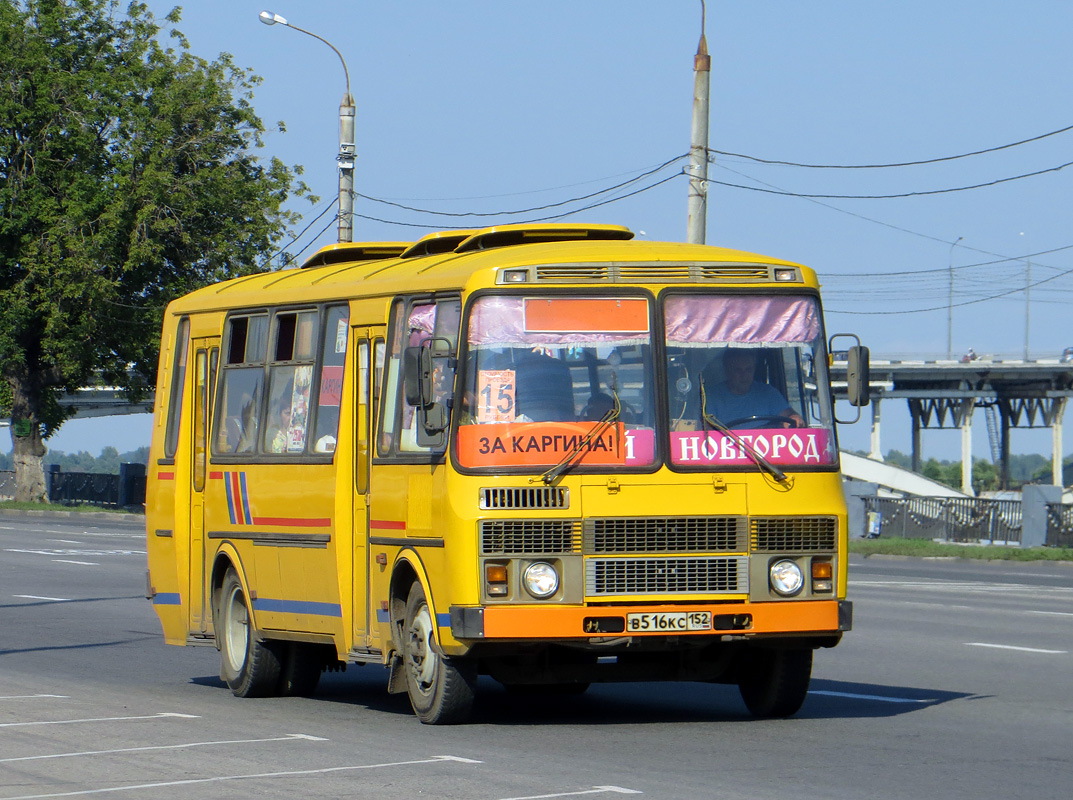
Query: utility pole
347	149
950	306
698	149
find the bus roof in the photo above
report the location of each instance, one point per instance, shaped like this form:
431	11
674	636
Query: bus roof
548	255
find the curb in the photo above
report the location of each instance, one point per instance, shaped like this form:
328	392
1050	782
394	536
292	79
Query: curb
112	518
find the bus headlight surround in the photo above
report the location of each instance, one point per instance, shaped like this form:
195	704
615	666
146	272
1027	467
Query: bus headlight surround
786	577
541	579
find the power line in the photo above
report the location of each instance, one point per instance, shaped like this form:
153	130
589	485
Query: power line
902	164
894	196
524	210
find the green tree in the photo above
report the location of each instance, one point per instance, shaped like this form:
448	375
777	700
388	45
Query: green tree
128	177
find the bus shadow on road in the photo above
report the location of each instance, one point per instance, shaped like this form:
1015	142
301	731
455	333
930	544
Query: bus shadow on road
842	699
629	703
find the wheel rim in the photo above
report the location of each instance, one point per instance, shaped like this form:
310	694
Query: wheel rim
421	658
236	629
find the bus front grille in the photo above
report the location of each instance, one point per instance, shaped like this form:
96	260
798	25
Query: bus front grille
666	535
524	497
606	577
789	534
530	536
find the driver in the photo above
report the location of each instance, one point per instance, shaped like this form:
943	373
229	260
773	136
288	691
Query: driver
741	396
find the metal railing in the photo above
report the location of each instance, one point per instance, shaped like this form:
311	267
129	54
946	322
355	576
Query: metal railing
1059	525
953	519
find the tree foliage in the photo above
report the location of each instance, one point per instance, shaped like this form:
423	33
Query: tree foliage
128	177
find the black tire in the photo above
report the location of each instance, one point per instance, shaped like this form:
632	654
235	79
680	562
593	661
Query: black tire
441	689
774	683
301	669
250	668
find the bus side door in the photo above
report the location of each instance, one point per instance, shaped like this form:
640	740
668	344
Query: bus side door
206	355
369	356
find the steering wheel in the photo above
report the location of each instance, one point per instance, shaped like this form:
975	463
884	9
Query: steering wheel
766	420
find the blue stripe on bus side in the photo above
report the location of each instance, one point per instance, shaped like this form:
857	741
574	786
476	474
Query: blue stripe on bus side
230	498
298	607
167	599
245	499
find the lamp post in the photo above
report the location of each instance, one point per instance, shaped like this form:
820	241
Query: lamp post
950	305
698	148
346	136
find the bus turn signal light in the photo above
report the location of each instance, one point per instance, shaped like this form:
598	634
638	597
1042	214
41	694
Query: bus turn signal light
822	573
496	577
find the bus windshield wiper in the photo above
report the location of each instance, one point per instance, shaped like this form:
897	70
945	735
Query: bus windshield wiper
568	461
747	448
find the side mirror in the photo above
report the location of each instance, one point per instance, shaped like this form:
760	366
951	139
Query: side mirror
857	376
417	375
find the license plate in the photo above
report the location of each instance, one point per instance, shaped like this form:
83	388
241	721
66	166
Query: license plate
669	621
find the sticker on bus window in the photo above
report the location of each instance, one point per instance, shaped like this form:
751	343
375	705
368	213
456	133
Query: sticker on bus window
531	444
331	386
340	336
495	396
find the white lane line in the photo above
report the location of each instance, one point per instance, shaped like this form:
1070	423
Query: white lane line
38	597
593	790
1019	649
80	563
290	737
1053	613
253	776
58	551
879	697
66	541
34	696
98	719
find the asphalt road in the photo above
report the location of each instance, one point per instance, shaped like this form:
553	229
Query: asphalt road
957	682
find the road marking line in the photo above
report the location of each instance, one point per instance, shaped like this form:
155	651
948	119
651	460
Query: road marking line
37	597
72	552
222	778
34	696
98	719
1020	649
593	790
1053	613
290	737
80	563
66	541
879	697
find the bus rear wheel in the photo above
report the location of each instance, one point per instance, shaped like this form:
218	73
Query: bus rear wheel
249	667
774	683
441	689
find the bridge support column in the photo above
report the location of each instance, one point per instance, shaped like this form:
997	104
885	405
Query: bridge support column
1056	449
966	446
875	452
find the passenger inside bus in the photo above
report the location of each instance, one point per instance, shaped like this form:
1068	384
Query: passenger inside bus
740	398
545	389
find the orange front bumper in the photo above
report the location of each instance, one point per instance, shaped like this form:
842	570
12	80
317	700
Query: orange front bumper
558	622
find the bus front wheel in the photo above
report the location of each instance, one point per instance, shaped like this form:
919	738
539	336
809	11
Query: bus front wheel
249	667
774	683
441	689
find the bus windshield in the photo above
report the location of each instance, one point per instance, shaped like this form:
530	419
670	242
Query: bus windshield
746	372
557	377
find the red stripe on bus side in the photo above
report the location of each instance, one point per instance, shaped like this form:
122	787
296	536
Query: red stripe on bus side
293	523
165	476
216	476
387	525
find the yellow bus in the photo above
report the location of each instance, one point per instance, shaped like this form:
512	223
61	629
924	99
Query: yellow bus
548	454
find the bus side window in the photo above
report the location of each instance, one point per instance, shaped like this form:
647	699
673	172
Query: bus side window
330	387
290	375
412	325
178	382
242	385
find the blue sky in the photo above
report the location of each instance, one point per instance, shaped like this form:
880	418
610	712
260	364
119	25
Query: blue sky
480	106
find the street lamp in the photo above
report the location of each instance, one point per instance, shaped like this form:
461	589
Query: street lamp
346	136
950	305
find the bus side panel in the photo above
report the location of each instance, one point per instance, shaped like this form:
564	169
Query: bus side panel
167	500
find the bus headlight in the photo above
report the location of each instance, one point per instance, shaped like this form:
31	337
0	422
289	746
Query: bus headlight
541	580
786	578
